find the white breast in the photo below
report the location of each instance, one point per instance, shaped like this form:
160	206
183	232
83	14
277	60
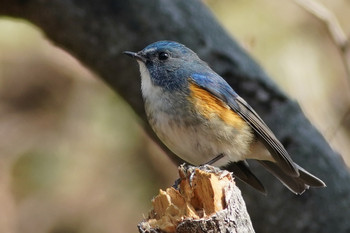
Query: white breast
150	93
146	84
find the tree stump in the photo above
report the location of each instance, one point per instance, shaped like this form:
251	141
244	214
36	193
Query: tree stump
203	199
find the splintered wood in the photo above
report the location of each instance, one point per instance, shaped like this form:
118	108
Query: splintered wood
199	195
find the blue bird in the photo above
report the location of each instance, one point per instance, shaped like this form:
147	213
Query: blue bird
199	117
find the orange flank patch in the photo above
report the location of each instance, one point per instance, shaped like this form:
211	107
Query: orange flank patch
210	106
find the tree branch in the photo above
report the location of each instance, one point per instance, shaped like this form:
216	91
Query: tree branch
340	40
338	35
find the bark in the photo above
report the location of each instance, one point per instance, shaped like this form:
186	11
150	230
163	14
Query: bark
204	199
96	32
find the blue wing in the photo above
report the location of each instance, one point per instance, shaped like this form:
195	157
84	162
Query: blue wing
217	86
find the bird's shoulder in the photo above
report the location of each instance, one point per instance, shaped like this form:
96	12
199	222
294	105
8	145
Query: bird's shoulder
209	96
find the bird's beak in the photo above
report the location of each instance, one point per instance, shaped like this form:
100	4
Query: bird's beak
137	56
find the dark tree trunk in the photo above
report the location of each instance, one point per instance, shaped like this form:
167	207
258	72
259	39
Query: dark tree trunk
96	32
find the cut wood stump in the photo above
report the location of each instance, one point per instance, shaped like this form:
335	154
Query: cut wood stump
203	199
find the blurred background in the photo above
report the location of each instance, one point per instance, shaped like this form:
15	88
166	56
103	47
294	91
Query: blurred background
73	155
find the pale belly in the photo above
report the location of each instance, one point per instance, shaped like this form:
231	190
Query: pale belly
198	141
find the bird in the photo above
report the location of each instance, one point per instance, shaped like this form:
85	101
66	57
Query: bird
201	119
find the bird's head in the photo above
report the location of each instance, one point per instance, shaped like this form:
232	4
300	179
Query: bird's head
168	63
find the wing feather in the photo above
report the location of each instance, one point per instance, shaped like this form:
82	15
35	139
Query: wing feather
219	88
275	147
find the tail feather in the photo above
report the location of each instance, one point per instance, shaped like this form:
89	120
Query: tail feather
309	179
296	184
241	170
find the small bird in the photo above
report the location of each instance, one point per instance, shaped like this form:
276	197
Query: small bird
199	117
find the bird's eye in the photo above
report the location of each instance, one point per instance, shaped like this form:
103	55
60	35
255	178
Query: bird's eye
163	56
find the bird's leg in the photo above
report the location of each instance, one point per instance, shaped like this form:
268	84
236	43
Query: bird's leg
215	159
